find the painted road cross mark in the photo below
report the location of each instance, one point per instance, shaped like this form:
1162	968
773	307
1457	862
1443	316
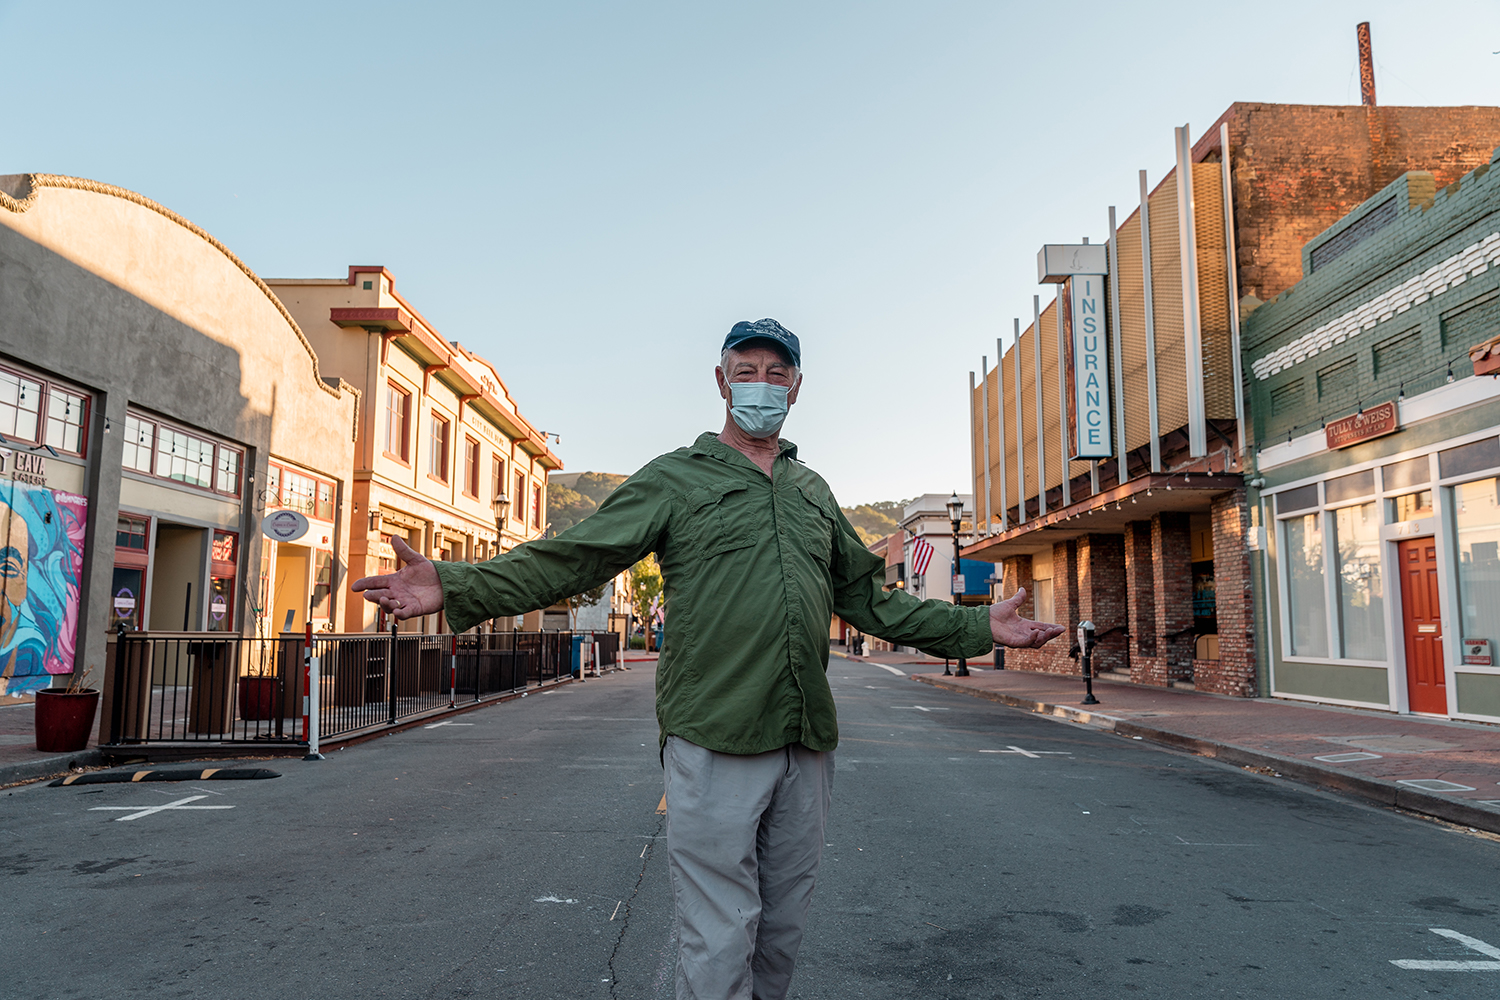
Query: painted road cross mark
136	812
1449	965
1034	754
437	724
918	708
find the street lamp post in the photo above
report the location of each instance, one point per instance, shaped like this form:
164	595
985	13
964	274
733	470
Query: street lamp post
956	515
501	507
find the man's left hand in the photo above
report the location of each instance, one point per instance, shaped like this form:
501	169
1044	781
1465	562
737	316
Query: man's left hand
1010	629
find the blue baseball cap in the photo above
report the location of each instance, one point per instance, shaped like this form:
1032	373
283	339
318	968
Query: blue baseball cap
765	329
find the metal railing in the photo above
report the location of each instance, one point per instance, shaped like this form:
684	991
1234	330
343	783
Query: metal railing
209	687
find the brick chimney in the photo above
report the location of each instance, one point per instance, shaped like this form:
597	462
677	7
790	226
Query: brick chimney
1366	66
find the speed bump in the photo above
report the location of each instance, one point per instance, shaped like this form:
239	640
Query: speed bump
207	774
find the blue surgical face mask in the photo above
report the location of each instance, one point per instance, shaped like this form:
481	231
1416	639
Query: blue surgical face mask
758	407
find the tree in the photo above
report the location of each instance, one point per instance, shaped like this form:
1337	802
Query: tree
566	507
645	586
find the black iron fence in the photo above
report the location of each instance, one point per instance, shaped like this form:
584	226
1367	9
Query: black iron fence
208	687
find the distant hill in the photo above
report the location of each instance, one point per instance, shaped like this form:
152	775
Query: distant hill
573	496
874	521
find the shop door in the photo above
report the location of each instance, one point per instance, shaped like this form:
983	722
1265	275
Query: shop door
1425	690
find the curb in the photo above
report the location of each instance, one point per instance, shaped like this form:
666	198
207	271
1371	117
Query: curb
45	767
1375	790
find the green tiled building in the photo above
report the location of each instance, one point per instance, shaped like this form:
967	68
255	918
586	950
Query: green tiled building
1376	500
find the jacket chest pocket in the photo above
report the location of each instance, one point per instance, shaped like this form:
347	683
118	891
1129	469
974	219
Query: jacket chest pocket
720	518
816	526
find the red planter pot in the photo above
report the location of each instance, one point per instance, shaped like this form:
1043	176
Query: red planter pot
64	721
257	698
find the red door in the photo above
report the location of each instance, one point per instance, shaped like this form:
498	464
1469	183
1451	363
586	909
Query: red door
1425	690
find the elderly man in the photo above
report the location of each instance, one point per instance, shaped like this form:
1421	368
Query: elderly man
756	557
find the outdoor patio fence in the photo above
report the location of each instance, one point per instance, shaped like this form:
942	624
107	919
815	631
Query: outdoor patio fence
211	687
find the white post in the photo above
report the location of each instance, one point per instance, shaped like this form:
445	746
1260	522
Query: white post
1119	358
1192	323
1231	258
1150	311
313	701
1000	430
1041	443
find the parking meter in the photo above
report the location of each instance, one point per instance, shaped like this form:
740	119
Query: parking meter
1086	648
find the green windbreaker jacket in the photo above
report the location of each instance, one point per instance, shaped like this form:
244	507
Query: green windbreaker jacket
753	570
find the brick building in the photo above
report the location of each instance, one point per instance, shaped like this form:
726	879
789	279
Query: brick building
1150	541
1377	513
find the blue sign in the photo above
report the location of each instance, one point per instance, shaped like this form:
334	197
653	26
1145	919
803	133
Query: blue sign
973	578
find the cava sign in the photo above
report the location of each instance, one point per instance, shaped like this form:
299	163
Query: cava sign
1090	369
284	525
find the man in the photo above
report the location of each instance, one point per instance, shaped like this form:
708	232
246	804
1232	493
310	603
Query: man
756	557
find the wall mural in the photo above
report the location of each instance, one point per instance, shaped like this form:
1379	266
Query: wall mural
41	563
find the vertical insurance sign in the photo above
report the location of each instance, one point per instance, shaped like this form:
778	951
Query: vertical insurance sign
1090	371
1085	268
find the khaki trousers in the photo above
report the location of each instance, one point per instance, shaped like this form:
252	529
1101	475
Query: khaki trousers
744	837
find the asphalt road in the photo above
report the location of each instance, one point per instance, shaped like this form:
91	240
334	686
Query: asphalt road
516	852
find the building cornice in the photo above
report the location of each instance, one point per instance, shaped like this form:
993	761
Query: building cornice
36	182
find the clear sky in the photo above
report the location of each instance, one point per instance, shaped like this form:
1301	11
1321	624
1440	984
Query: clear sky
590	195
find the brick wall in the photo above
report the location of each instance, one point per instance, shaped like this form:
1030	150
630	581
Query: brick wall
1140	592
1102	598
1297	169
1233	672
1172	583
1052	658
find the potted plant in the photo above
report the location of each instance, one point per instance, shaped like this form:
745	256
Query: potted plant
65	717
257	691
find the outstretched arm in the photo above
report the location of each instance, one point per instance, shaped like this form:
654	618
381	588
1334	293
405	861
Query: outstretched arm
1010	629
412	590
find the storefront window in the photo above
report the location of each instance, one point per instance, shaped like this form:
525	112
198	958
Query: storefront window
1045	610
20	406
185	458
65	419
229	471
1412	506
1361	590
140	437
1476	516
1307	608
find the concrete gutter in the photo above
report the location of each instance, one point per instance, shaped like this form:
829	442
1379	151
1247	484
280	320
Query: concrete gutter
1378	791
49	767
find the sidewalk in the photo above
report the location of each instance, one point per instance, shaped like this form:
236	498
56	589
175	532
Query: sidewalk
1447	770
20	760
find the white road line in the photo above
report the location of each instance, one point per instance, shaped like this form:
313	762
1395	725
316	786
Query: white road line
1034	754
919	708
136	812
882	666
437	724
1449	965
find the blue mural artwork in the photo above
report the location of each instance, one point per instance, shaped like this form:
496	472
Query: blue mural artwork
41	562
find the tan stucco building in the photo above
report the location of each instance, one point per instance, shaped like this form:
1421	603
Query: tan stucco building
149	383
440	438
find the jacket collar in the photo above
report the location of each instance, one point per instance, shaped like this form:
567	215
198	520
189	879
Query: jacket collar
708	443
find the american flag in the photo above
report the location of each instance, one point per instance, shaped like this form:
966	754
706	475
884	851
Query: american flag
921	555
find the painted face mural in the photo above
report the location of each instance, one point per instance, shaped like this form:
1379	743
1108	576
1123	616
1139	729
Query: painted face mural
41	560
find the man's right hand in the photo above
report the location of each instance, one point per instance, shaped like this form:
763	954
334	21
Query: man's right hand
412	590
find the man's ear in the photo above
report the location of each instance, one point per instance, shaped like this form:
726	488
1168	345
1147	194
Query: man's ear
723	381
791	397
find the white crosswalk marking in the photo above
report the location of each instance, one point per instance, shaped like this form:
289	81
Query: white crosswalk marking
136	812
1029	753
